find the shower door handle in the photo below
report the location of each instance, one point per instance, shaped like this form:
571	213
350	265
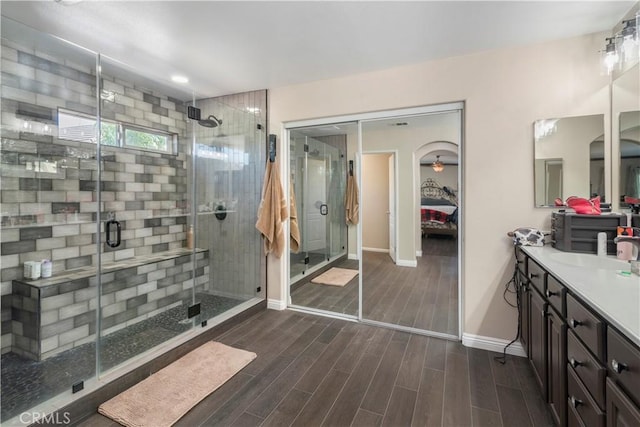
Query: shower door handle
108	224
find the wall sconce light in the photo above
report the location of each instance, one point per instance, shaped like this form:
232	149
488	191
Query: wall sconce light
438	166
623	47
629	39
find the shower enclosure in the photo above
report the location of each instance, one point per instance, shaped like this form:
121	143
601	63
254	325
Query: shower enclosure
144	216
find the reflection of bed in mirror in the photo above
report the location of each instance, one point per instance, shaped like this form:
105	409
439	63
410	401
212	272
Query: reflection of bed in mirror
438	209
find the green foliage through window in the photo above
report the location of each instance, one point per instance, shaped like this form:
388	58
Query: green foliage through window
142	139
82	127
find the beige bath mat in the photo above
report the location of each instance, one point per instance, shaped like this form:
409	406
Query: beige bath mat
164	397
335	277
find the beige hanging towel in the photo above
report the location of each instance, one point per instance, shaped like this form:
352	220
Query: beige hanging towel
351	202
294	229
272	211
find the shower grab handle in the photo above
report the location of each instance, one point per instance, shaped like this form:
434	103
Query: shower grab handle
108	225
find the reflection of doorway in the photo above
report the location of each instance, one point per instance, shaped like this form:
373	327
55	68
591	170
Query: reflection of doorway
419	292
379	229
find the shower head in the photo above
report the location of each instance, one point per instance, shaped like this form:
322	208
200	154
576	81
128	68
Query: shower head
210	122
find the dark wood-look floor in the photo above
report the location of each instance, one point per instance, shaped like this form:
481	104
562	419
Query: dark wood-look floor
315	371
425	297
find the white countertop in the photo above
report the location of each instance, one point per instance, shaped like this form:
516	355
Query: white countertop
616	298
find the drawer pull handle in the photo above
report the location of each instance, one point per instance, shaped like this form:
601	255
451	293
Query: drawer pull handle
533	275
575	323
574	363
550	294
575	402
618	367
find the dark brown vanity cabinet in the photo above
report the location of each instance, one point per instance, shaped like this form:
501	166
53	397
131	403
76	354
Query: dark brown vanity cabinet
557	366
588	372
524	298
547	340
538	340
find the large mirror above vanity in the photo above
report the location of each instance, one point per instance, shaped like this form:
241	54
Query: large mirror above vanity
569	158
571	154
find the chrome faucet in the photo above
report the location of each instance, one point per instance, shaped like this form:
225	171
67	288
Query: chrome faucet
635	240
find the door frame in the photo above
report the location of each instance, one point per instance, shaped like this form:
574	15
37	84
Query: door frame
284	291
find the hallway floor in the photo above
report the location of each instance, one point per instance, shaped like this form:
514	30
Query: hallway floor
313	371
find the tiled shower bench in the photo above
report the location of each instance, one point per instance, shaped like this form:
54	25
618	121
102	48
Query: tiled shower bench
58	313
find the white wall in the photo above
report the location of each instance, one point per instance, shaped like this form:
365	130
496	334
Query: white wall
504	92
375	201
447	178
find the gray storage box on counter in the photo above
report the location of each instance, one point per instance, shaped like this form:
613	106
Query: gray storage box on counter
571	232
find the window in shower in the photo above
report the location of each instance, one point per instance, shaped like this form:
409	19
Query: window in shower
81	127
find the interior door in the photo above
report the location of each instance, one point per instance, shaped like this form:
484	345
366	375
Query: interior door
392	208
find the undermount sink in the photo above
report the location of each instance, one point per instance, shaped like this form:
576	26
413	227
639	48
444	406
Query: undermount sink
589	261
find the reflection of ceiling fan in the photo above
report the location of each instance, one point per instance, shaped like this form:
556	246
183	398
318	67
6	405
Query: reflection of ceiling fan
446	157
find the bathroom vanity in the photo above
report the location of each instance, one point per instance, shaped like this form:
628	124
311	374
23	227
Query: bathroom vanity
580	329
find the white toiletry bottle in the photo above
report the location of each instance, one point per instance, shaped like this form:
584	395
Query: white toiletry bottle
602	244
45	268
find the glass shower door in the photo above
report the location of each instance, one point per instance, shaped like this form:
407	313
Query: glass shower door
148	267
315	212
311	183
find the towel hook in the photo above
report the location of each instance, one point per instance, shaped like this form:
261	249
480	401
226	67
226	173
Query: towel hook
351	167
272	148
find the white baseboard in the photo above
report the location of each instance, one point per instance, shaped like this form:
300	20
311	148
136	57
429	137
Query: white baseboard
352	256
276	304
406	263
492	344
418	253
385	251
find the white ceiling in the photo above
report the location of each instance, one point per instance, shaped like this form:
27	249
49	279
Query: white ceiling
229	47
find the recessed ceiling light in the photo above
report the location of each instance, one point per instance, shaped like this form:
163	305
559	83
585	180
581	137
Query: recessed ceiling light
68	2
180	79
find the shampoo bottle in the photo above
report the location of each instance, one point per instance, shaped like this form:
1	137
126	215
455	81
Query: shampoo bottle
190	237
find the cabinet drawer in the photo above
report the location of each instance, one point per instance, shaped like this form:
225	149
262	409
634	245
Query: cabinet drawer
589	370
623	363
580	400
587	326
573	419
621	412
555	294
536	275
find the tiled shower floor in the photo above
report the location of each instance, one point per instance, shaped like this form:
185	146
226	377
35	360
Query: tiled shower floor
26	383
